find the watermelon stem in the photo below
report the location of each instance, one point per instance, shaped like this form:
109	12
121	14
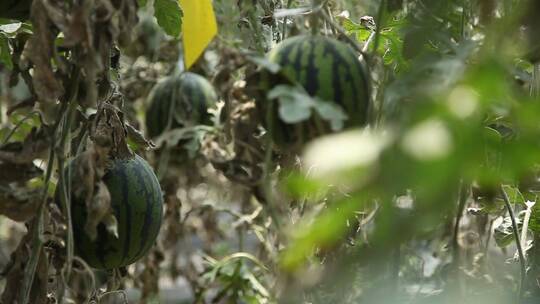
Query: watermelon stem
36	241
343	33
535	81
165	156
256	26
37	225
65	184
284	29
268	166
65	187
314	20
523	267
378	26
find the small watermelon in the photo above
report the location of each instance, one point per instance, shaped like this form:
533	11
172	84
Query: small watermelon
188	94
325	68
137	202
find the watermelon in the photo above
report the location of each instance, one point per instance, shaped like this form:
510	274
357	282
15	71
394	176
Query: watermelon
137	202
325	68
188	94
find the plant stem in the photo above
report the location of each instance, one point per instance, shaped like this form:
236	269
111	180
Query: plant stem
267	180
535	80
17	126
394	274
164	156
523	267
461	207
256	26
379	25
314	18
284	29
37	231
342	32
464	19
37	228
65	183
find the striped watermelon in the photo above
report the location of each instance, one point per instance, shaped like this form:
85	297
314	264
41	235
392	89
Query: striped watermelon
137	201
326	68
188	93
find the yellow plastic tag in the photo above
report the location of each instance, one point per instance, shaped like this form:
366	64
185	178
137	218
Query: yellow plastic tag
199	27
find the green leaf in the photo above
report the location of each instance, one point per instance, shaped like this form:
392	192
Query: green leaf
142	3
5	53
295	105
504	233
349	25
287	12
514	195
361	32
10	28
169	16
331	112
263	62
362	35
5	21
324	231
300	186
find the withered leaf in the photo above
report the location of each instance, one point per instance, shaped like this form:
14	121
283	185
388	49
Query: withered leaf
33	146
99	210
139	138
109	130
15	275
16	271
88	171
17	173
19	204
39	50
240	171
89	168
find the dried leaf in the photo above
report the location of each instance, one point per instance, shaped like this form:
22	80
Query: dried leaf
138	137
33	146
39	50
17	173
109	130
89	168
99	209
15	275
19	204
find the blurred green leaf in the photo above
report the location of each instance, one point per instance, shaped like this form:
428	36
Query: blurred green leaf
295	106
503	234
270	66
5	52
323	233
10	28
299	186
514	195
330	112
169	16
